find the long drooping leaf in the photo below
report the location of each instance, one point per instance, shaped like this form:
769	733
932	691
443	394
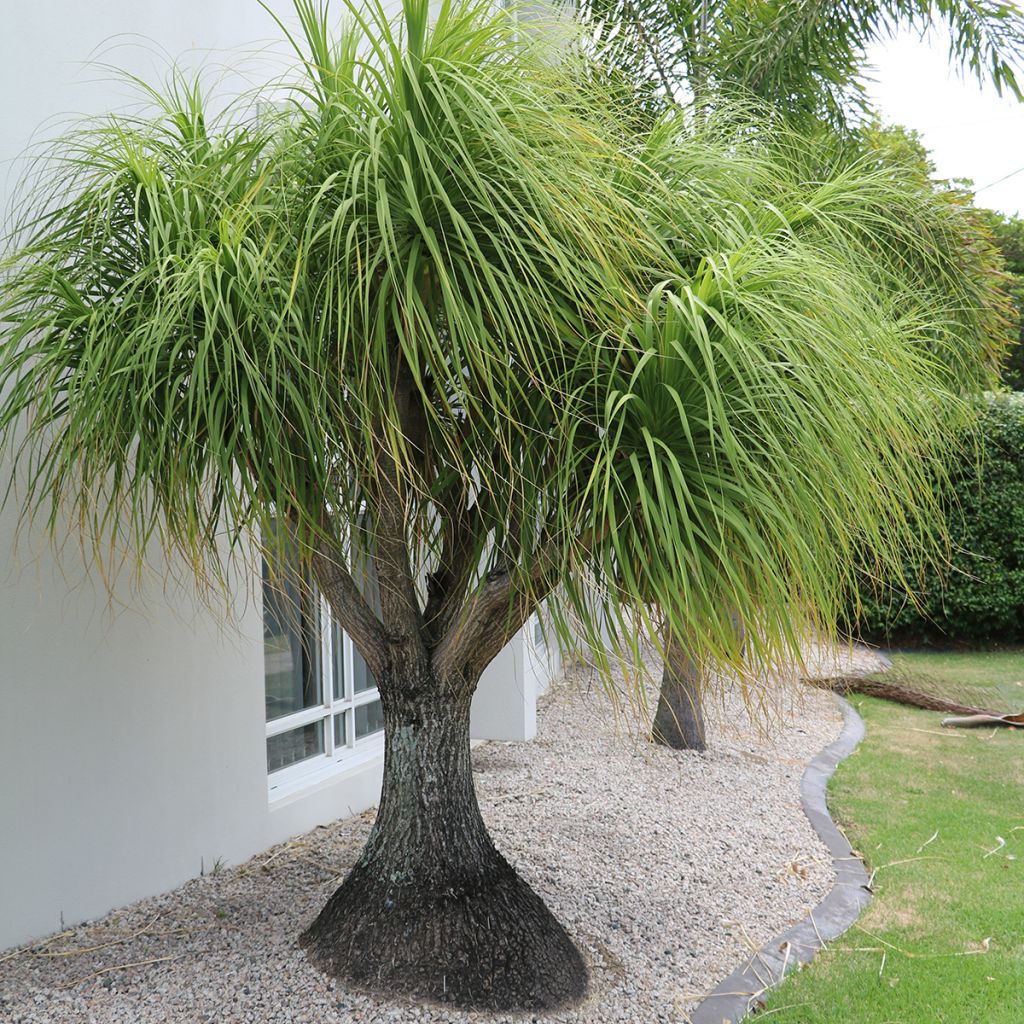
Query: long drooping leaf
438	294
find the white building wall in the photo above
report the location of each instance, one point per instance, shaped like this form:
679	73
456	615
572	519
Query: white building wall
131	744
505	703
132	733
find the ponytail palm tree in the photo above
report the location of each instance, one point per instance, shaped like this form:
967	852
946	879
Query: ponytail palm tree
806	59
437	310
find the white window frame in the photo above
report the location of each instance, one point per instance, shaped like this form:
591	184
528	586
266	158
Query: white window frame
537	635
335	758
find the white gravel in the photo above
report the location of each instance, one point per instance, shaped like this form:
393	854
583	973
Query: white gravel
665	866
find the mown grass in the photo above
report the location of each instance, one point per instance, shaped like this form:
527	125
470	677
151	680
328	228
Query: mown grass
943	939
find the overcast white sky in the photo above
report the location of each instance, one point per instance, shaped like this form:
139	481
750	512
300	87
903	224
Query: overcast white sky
972	132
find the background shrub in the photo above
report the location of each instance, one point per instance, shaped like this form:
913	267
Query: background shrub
981	599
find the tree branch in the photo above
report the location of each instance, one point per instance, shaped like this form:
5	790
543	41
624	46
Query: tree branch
652	50
493	615
350	607
463	528
400	608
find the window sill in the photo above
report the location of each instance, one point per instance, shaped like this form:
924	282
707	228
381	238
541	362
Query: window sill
322	772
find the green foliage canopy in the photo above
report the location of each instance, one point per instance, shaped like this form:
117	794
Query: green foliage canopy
438	304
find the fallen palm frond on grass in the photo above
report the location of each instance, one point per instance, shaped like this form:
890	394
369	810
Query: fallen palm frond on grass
897	692
920	690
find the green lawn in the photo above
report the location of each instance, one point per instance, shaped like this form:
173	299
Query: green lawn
943	939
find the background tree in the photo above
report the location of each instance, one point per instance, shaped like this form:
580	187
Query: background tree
439	310
898	155
805	59
1008	234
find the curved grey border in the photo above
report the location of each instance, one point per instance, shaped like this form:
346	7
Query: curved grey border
731	1000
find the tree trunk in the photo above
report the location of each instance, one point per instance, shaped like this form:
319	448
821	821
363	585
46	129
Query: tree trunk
679	720
432	910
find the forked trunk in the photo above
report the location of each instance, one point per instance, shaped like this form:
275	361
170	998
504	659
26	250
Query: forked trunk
679	720
432	910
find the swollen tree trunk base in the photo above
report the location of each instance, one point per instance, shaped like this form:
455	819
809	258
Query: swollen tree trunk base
432	911
480	939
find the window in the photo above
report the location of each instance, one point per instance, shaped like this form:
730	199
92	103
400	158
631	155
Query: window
323	708
539	640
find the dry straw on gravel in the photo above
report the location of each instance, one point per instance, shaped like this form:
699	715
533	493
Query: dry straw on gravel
667	867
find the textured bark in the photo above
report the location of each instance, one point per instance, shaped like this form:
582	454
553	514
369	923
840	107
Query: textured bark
432	910
679	720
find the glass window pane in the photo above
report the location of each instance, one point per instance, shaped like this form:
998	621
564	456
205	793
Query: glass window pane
363	569
338	645
369	719
296	745
366	578
291	645
340	732
362	677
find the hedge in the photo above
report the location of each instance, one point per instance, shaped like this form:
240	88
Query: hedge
980	600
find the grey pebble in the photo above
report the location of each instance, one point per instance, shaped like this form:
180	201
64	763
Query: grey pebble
665	866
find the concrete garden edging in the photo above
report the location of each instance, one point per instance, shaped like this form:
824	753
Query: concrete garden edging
737	995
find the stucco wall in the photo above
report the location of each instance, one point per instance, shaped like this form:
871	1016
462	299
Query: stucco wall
132	742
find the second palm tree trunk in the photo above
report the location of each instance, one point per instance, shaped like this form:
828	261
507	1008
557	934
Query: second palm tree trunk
679	720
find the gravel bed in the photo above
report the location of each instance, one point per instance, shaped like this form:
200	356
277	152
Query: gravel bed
666	866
